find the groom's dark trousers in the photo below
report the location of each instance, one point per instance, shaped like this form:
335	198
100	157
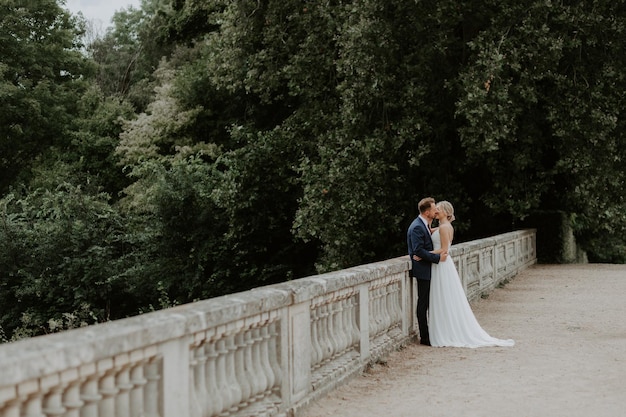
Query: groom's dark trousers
423	302
420	243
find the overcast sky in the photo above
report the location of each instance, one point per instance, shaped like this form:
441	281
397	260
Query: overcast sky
99	11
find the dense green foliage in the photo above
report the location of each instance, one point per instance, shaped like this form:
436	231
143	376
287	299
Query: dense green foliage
40	71
202	147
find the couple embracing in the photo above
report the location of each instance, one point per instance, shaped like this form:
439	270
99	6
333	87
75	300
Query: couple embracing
444	315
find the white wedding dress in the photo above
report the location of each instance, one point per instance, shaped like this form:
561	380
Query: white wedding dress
451	321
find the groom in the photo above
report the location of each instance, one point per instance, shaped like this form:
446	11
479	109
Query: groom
420	244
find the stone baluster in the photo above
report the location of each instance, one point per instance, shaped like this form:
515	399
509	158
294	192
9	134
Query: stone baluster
317	344
347	320
330	331
316	347
325	340
334	326
152	391
214	404
346	331
240	369
194	382
327	331
337	327
265	358
392	302
33	405
222	381
202	391
321	332
382	312
355	335
316	352
235	389
397	298
273	352
249	365
351	317
374	315
71	399
258	369
380	319
386	307
90	396
53	402
332	338
385	317
106	406
122	401
250	369
137	391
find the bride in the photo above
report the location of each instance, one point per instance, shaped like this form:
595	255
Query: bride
450	317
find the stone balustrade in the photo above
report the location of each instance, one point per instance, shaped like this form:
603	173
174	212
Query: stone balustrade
265	352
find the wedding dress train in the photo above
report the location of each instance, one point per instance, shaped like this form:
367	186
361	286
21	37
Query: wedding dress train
451	321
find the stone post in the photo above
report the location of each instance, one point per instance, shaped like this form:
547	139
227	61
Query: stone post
175	379
295	336
364	325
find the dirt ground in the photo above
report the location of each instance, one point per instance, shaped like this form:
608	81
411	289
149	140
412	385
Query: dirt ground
569	325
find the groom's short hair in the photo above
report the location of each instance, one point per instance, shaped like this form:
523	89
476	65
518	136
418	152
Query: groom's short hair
425	204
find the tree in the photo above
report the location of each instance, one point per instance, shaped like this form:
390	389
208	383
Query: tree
63	255
382	134
40	82
91	153
541	104
130	51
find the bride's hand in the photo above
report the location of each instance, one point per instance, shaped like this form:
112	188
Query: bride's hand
416	258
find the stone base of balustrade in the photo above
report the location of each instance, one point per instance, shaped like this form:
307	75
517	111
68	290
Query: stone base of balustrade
385	343
266	407
340	365
337	372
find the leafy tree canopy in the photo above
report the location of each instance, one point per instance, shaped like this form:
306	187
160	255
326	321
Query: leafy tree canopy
40	82
201	147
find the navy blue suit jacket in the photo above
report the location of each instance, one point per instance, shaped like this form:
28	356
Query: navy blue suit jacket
420	243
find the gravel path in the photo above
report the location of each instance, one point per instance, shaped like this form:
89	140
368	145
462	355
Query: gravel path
569	325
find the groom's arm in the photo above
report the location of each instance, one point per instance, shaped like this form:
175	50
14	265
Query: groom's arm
418	249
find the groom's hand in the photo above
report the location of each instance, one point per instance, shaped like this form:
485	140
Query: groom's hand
443	257
416	258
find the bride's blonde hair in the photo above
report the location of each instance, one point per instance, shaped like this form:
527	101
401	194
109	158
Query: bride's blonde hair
448	209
